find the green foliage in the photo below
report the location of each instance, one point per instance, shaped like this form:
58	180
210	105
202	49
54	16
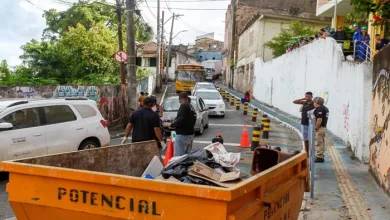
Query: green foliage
349	32
4	69
143	73
78	47
289	37
379	8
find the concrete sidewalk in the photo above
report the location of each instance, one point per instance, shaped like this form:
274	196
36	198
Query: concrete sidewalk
343	189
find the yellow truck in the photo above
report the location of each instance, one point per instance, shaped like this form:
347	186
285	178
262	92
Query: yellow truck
187	75
105	183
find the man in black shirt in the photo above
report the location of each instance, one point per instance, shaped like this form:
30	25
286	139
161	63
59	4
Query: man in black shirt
145	124
322	113
307	105
184	126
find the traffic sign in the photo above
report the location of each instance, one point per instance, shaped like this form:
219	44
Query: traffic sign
121	56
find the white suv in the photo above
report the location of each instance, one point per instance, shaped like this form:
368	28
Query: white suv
31	128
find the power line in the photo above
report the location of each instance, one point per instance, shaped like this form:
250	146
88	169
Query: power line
196	9
194	1
150	9
192	28
35	5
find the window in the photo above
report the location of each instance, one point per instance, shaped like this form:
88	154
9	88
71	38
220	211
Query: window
25	118
173	105
138	61
59	114
209	95
85	111
153	62
202	105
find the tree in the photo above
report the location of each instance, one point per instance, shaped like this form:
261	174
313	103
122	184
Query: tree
4	69
379	8
79	44
288	37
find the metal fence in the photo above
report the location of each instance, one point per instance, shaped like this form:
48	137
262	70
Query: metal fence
359	51
312	154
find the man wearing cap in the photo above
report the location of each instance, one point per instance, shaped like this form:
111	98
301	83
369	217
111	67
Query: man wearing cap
357	32
184	126
340	35
145	125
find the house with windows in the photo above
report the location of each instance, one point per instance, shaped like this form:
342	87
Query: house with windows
147	56
257	22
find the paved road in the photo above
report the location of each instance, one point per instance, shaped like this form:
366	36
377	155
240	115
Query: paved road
231	128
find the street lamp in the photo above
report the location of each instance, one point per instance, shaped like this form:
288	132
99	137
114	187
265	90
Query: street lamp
169	48
179	33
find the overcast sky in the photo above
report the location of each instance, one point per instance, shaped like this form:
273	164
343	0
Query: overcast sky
22	21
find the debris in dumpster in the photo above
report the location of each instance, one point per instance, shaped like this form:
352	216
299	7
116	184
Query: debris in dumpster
265	158
224	184
154	168
223	157
215	174
213	157
148	176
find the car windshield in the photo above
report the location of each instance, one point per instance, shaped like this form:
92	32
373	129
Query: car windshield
190	76
209	95
205	86
173	105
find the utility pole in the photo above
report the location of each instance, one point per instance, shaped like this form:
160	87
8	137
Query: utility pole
169	46
232	46
131	66
122	65
158	48
162	50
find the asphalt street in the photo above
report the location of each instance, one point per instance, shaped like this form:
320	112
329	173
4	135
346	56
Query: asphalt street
230	127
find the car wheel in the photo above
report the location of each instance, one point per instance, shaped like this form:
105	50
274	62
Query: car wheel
201	129
88	145
222	116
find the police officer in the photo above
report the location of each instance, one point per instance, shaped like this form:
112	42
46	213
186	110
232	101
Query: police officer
145	125
321	113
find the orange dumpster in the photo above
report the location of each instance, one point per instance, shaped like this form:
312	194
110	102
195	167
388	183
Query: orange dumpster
105	183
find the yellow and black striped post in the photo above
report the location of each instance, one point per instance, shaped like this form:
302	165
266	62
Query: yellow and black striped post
232	101
245	109
266	128
255	138
223	94
254	114
227	97
238	104
263	118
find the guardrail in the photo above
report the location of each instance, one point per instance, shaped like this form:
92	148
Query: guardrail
358	50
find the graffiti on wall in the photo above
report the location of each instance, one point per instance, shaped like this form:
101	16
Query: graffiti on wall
106	97
90	92
20	92
346	116
144	83
325	96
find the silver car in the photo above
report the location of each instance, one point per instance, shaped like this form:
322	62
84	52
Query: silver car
171	106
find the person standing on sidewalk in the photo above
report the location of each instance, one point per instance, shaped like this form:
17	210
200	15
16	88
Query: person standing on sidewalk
307	105
321	113
184	126
145	125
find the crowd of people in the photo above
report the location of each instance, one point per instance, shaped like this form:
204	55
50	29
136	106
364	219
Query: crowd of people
360	37
145	124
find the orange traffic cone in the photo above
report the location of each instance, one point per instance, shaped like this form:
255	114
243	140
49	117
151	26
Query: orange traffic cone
245	138
169	153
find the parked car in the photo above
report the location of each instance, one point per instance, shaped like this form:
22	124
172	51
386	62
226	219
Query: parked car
171	106
30	128
202	85
213	100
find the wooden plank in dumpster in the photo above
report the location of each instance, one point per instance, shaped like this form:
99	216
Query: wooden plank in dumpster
39	192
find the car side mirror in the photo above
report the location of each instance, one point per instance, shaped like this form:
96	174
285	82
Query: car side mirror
206	108
5	126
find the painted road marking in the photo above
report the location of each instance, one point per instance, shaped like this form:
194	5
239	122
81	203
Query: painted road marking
163	97
231	125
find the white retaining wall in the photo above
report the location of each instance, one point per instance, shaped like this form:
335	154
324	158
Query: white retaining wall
320	68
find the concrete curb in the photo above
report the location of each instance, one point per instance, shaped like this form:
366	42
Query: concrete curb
284	124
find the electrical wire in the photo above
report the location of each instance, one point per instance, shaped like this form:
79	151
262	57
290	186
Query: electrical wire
197	9
34	5
146	1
